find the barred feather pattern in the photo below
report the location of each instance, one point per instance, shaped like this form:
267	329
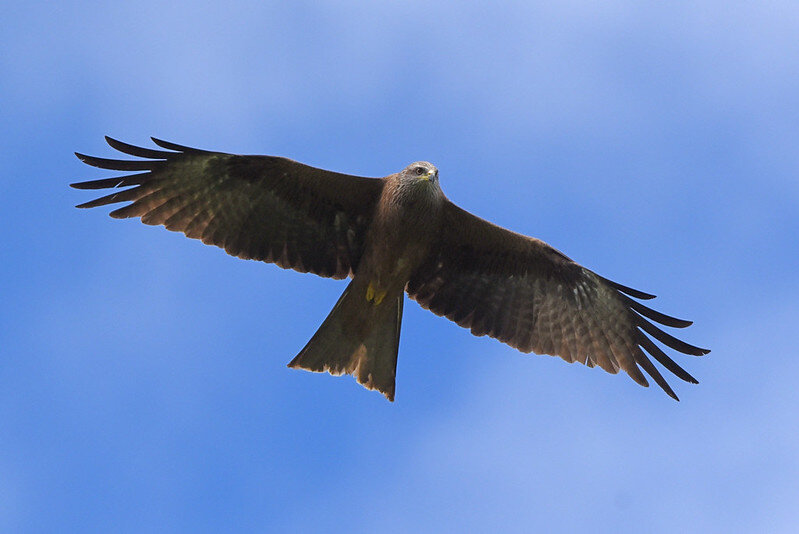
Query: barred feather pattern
525	293
254	207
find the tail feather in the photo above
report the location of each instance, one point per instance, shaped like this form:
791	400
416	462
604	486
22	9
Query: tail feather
357	338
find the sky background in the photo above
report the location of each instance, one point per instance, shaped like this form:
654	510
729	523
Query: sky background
143	379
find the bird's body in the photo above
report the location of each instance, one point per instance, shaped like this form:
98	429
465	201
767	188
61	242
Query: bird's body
392	235
361	334
403	229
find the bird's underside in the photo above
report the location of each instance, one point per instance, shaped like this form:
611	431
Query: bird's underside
391	235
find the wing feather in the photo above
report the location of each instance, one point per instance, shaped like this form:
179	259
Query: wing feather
527	294
255	207
141	152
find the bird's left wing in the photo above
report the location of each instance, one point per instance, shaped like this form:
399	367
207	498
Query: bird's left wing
527	294
255	207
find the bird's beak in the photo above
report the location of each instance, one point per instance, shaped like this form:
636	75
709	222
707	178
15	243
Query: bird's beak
429	176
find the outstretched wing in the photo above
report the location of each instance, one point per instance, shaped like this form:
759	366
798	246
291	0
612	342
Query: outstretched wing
527	294
255	207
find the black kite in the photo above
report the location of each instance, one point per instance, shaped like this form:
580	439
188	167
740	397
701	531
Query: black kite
391	235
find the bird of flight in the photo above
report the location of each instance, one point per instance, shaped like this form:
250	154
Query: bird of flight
391	235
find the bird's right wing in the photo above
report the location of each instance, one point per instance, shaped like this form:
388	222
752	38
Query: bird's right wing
255	207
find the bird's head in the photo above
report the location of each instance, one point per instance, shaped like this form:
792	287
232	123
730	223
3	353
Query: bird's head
419	172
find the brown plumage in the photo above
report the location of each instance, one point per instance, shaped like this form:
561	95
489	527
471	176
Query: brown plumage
391	235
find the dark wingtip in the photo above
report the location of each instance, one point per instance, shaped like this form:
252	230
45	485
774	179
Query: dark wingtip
667	388
656	316
669	340
179	148
138	151
628	290
115	143
635	293
169	146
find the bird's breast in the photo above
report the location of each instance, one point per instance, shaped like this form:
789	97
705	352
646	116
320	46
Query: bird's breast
400	239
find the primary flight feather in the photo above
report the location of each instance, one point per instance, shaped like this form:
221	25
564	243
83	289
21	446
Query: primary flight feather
391	235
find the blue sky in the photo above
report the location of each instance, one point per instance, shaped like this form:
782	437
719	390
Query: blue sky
143	374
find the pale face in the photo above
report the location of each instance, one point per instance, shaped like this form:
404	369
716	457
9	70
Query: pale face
420	171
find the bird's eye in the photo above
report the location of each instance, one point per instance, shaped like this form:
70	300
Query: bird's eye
419	171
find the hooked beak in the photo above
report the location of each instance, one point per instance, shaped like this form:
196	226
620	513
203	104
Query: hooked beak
429	176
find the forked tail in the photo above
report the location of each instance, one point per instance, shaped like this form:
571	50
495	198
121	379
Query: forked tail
359	337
